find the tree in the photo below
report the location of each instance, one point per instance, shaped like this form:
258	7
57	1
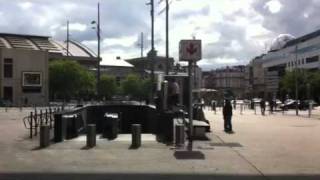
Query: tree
130	86
303	77
107	86
69	79
136	88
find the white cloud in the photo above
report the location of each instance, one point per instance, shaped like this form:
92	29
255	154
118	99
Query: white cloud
75	27
25	5
274	6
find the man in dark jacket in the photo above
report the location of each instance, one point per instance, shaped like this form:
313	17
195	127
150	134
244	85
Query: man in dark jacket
263	106
227	115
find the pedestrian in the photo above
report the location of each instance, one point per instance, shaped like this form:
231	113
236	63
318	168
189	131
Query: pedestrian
213	105
271	104
227	115
263	106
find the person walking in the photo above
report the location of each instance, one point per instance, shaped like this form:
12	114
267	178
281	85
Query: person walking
227	115
263	106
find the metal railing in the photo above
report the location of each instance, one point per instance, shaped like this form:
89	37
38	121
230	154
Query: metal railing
37	118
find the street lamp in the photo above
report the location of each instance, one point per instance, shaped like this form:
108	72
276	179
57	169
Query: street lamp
296	78
98	38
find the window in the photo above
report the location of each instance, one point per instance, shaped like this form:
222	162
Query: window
312	59
8	68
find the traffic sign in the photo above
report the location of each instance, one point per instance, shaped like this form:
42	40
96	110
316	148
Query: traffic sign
190	50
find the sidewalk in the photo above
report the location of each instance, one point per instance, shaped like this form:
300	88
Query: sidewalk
263	147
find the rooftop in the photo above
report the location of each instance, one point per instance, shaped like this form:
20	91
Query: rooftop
43	43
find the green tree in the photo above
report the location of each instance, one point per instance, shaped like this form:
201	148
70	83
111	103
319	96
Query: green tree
302	78
69	79
131	86
107	86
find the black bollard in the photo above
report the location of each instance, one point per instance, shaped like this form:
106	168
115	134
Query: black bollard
46	116
41	117
50	118
31	124
136	135
35	123
44	136
179	135
91	135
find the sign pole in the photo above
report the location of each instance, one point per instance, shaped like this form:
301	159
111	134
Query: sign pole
190	50
190	104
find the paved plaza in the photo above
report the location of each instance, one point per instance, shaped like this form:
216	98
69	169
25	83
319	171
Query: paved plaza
275	146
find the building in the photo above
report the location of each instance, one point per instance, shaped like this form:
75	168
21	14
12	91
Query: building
118	68
24	61
228	80
288	53
254	78
143	65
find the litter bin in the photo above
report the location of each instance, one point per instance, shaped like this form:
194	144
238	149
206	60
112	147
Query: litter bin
110	126
72	129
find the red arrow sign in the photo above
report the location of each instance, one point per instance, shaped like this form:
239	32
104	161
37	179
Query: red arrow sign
191	49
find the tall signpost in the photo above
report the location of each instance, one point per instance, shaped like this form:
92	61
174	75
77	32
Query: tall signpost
190	50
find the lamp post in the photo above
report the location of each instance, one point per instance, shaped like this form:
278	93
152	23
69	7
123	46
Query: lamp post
296	79
152	51
98	54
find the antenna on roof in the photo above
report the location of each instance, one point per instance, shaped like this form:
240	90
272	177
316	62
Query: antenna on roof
68	38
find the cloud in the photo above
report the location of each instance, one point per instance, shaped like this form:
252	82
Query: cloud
232	31
295	17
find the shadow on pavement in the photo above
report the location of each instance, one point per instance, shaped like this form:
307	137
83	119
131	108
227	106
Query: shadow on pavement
139	176
188	155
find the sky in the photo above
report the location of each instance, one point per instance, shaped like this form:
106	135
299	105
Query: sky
232	31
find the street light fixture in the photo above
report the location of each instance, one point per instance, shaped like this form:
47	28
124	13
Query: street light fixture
97	28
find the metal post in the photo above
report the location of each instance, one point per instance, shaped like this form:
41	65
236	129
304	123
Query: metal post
46	116
50	117
241	108
296	80
141	44
165	95
91	135
67	38
190	104
136	135
310	109
44	136
36	122
31	124
98	36
41	117
255	108
167	37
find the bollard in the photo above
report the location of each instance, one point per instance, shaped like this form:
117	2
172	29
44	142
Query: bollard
44	136
91	135
179	135
136	135
35	123
50	117
31	124
310	109
41	117
241	108
255	109
46	116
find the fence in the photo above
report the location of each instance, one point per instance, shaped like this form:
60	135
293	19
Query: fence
40	117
